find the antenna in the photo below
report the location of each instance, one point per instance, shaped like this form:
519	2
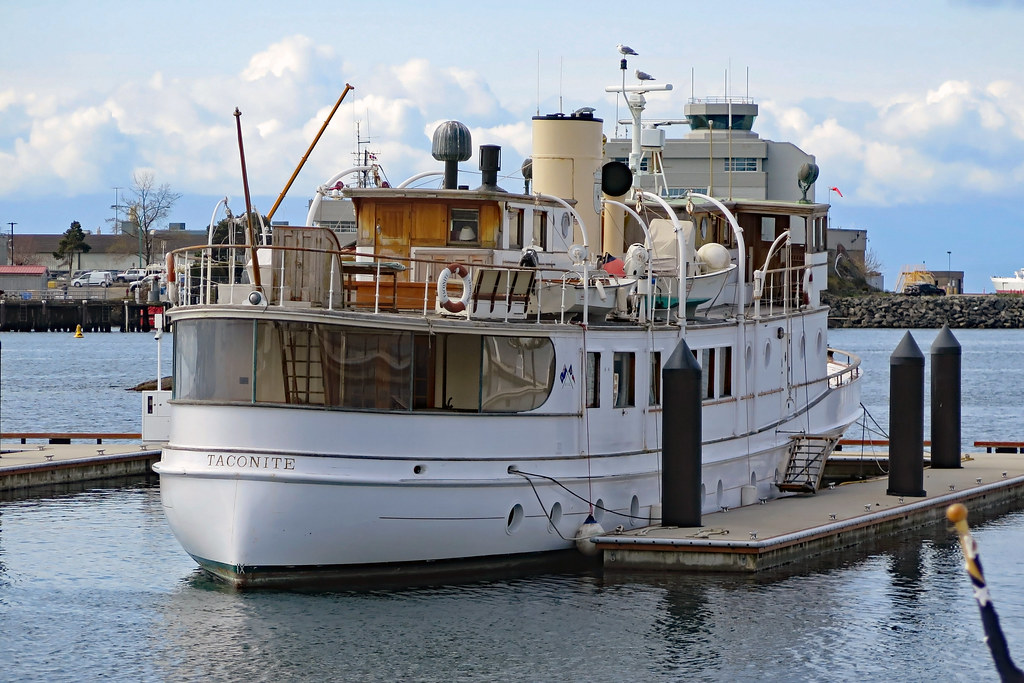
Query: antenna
538	82
560	61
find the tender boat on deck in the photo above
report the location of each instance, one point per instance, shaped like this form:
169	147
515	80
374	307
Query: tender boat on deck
434	397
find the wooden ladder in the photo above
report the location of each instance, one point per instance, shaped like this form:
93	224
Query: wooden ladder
807	456
304	374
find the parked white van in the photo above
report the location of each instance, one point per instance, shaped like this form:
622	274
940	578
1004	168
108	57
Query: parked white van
94	278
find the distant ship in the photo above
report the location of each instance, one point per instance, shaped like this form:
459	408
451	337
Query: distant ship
1010	285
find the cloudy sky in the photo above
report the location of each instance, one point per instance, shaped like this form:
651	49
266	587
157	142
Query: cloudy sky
915	109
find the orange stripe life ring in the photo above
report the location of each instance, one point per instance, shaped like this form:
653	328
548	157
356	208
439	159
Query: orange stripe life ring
443	298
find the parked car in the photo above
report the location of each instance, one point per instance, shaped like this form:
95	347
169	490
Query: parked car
93	278
924	289
146	281
131	275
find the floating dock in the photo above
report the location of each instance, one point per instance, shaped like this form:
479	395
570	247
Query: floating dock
63	463
795	528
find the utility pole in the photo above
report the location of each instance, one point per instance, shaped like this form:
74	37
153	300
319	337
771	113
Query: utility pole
12	224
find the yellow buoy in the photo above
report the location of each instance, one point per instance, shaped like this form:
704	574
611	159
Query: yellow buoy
78	332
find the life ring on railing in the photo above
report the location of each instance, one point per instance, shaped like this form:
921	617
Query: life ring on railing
170	267
442	288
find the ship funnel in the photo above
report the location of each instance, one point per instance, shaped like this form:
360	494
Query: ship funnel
452	143
490	164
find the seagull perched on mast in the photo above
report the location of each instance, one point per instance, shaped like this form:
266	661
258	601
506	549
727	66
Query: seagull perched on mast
643	76
626	50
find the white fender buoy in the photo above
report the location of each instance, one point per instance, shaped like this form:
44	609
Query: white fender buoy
588	530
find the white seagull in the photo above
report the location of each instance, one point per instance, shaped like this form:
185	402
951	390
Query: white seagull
626	50
644	76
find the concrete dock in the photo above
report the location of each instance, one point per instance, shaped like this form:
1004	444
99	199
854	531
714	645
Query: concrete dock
791	529
32	465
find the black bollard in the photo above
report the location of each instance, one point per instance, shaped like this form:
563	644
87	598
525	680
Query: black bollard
906	419
946	397
681	441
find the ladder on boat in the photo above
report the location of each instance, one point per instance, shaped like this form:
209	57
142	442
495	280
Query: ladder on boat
304	373
807	456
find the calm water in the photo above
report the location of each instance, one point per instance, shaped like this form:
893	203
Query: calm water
94	586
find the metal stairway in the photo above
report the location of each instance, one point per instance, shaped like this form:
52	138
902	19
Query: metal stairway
807	456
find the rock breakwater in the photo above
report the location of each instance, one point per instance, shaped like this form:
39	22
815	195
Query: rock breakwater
984	311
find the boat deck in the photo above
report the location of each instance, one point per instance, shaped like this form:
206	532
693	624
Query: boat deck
791	529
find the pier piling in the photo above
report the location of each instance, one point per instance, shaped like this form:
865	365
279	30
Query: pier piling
681	440
906	419
946	397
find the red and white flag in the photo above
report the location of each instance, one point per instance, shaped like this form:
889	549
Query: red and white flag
836	190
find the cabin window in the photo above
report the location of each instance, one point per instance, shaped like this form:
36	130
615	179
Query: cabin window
655	394
768	229
593	380
331	366
465	226
715	372
213	360
623	386
540	229
515	228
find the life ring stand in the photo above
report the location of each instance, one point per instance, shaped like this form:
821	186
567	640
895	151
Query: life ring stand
447	303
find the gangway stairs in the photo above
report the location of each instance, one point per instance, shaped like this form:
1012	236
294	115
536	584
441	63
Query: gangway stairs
807	456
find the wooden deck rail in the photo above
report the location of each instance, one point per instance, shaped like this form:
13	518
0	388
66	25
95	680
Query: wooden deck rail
66	437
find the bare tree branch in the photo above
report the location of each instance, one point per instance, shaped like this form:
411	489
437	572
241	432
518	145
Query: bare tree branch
148	205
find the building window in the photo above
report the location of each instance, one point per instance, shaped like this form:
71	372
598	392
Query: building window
740	164
465	226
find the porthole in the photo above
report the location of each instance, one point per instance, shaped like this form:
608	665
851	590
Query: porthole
703	496
599	510
719	495
753	478
767	353
634	511
803	345
703	228
749	356
819	343
515	518
554	517
419	469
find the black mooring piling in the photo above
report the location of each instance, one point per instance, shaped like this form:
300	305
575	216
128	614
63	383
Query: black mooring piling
946	400
906	419
681	430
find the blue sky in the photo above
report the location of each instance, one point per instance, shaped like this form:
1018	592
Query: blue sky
915	110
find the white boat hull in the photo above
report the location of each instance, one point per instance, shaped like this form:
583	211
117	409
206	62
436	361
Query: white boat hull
311	491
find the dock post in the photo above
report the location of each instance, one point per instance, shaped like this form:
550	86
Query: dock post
681	439
946	400
906	419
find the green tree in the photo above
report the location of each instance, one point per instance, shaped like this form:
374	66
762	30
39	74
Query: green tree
71	243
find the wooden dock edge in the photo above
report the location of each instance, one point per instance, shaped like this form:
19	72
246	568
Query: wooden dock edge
77	470
630	552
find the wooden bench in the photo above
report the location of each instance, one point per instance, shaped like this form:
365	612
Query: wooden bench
67	437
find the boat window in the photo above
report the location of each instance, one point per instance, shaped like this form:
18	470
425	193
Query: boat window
517	373
213	360
540	229
515	228
655	394
623	386
305	364
465	226
593	380
715	372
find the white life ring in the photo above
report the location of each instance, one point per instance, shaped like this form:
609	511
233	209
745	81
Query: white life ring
442	288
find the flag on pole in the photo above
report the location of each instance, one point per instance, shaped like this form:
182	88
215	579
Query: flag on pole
836	190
